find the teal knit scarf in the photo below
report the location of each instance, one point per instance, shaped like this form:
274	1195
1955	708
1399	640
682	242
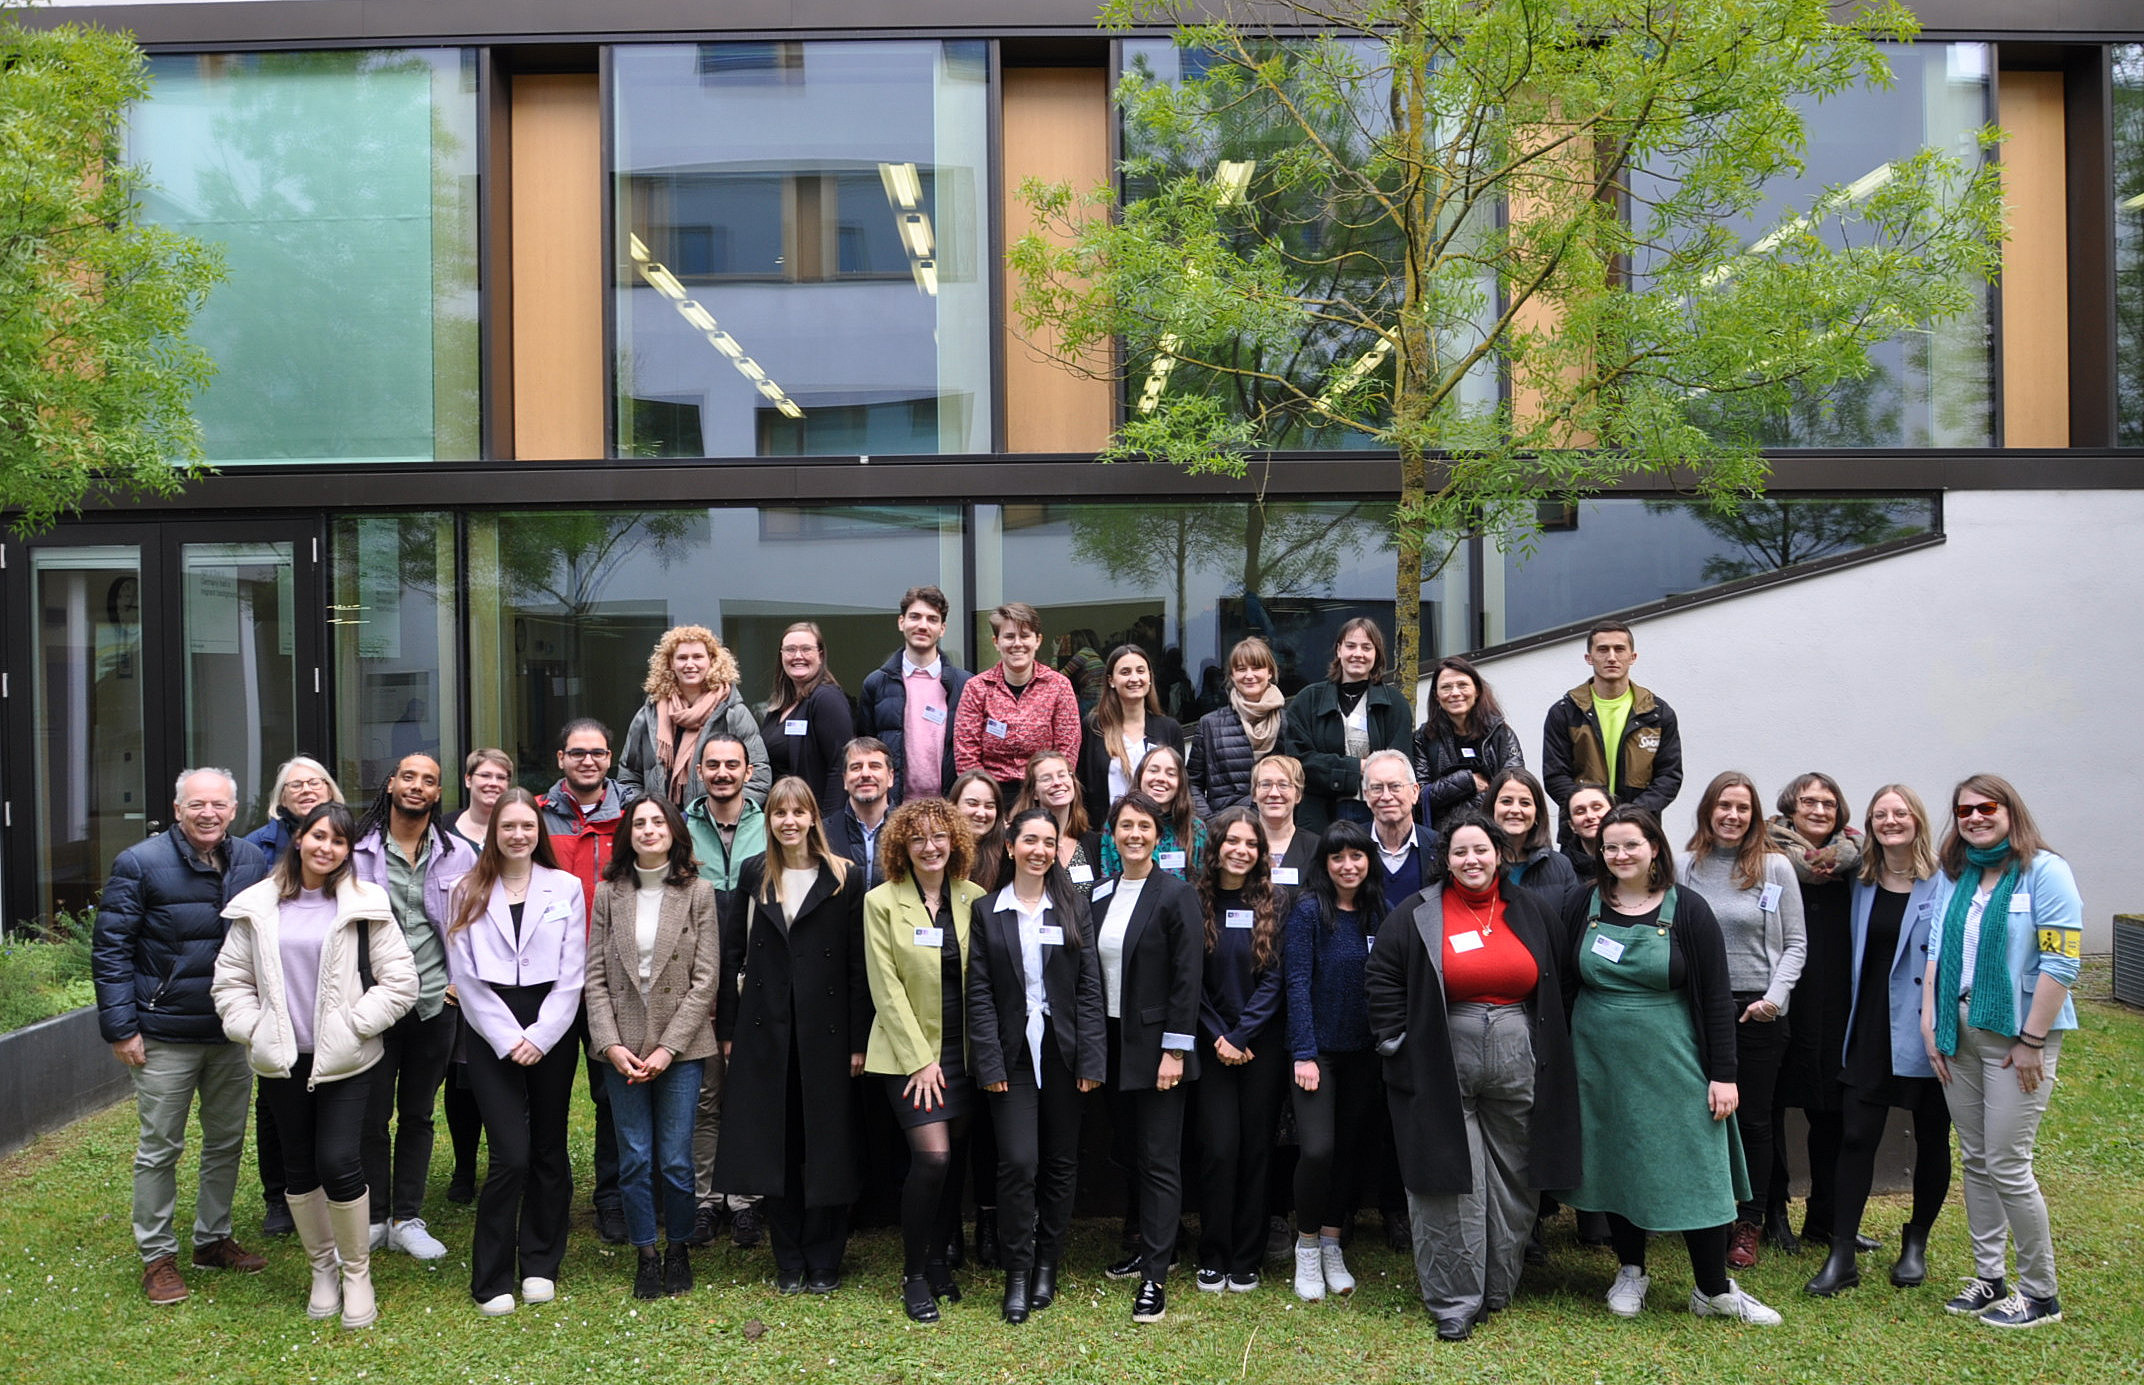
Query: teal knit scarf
1994	1003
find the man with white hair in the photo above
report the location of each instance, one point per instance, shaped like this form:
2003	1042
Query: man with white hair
1389	785
159	927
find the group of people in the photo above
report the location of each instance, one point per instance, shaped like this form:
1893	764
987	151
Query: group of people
938	917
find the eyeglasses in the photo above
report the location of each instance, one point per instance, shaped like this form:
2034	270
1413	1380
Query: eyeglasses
1965	811
1385	790
1814	803
578	754
305	783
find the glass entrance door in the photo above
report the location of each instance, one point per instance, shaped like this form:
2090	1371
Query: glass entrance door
136	651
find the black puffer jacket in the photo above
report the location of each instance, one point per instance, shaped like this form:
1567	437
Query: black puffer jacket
1445	766
1220	762
159	927
882	711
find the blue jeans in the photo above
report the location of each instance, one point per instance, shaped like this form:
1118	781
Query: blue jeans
654	1121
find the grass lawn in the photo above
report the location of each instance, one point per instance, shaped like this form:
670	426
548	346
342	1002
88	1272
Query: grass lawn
71	1308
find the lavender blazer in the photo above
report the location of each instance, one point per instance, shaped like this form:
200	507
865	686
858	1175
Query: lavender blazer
553	948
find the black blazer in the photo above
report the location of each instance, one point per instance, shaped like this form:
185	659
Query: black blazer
997	999
784	984
1094	758
1164	973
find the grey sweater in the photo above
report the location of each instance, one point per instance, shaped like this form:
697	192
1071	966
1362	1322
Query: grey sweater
1765	947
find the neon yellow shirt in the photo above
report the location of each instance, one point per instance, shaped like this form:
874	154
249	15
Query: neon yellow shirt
1614	714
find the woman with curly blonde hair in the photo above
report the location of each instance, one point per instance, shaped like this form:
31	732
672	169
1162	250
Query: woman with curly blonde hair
916	931
692	695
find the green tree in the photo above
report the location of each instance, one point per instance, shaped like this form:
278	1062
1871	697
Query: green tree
1772	535
1493	236
96	375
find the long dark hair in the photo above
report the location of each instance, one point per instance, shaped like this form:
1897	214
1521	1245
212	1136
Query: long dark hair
1076	823
1056	886
2025	839
1344	836
989	867
290	871
1107	718
625	860
473	895
381	813
1748	871
786	692
1257	892
1537	836
1360	625
1179	815
1486	712
1439	871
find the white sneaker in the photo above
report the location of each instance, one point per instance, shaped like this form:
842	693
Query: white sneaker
537	1290
1735	1303
1626	1296
379	1234
1309	1272
496	1307
411	1238
1334	1268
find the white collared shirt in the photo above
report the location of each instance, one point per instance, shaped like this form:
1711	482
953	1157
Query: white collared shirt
1038	999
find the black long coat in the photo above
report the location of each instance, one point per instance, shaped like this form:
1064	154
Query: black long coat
804	989
1405	983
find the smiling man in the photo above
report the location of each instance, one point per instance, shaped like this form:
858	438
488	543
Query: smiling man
910	700
1608	730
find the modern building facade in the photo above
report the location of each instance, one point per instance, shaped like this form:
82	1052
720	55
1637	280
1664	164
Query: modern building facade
551	325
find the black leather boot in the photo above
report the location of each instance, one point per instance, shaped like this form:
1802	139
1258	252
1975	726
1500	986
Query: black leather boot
1780	1232
1840	1272
1016	1300
1912	1267
1044	1290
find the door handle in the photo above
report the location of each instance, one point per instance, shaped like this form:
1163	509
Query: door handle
151	827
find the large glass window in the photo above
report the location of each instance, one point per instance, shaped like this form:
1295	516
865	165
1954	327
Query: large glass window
1930	388
1611	555
566	605
342	189
2129	243
1339	247
802	249
1186	581
395	618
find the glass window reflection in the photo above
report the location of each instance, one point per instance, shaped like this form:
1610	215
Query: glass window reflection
802	233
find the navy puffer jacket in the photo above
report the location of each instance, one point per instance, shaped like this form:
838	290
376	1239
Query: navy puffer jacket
159	927
882	711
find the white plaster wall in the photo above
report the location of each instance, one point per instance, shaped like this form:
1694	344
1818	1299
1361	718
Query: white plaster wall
2015	647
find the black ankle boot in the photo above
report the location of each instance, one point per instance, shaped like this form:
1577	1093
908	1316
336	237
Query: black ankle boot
1839	1272
1780	1232
1016	1302
917	1298
1912	1267
1044	1291
943	1285
986	1238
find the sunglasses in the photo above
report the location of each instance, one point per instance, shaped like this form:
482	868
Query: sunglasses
1965	811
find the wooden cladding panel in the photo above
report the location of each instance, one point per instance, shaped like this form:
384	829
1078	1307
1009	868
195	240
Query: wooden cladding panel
2035	282
559	369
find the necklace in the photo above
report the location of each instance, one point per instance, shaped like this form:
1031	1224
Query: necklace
1481	924
515	893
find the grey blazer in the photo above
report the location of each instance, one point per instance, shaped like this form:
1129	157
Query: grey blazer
676	1011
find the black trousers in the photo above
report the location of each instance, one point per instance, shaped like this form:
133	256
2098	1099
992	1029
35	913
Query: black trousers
1238	1111
606	1196
1826	1132
1335	1127
1863	1116
405	1088
805	1238
1038	1159
1149	1138
1707	1247
1760	1048
267	1144
319	1130
527	1198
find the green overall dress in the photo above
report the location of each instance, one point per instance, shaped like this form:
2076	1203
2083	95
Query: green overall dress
1653	1152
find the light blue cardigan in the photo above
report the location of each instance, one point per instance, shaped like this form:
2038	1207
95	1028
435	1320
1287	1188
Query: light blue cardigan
1909	965
2046	934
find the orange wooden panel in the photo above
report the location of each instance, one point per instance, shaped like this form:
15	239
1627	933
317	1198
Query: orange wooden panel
2035	282
1056	128
559	368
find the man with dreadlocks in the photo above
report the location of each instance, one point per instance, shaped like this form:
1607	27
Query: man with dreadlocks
405	848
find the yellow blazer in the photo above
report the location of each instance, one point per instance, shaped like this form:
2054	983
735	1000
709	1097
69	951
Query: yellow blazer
908	1032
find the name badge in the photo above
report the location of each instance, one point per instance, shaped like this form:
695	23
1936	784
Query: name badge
1050	935
1082	874
1768	898
1240	918
1105	889
1287	875
796	726
934	715
1170	860
930	937
1372	942
1466	752
1469	941
994	727
1605	946
2021	904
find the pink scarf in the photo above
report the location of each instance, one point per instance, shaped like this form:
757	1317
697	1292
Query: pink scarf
677	727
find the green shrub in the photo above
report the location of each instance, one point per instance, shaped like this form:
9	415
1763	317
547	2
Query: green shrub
44	970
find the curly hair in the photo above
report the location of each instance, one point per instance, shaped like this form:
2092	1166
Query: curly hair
721	664
921	817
